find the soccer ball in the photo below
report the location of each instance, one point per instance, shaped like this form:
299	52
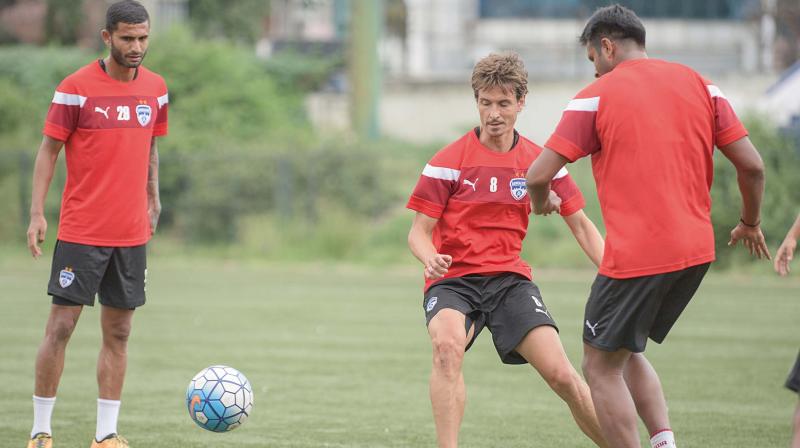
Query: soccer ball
219	398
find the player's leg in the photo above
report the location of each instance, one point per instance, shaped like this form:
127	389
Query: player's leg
50	364
524	332
615	407
542	348
618	317
447	391
453	324
74	278
645	388
113	359
121	292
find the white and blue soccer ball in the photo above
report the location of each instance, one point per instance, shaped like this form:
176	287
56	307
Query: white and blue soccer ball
219	398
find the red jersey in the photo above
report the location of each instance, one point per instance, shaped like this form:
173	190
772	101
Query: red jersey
107	126
481	201
650	127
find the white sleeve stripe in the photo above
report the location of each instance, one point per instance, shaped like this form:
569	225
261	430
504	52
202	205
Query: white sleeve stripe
437	172
561	173
584	104
715	91
163	99
68	99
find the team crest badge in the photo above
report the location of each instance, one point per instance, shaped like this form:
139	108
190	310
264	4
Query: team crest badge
66	277
143	113
431	303
518	188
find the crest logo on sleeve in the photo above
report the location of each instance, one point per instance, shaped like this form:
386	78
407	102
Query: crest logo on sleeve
66	277
518	188
143	114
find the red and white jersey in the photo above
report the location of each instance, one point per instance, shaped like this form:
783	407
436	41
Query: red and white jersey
107	126
650	127
481	201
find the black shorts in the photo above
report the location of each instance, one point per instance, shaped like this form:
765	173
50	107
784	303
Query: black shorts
623	313
117	274
508	304
793	382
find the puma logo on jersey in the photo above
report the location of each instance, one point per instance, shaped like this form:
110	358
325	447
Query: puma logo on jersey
592	327
471	184
102	111
539	310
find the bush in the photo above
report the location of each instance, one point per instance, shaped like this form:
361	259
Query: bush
781	197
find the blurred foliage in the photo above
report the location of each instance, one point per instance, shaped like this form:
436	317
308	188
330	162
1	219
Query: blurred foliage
781	202
238	20
63	21
307	70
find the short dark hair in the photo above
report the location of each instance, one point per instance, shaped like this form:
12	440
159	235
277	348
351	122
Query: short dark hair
126	11
613	22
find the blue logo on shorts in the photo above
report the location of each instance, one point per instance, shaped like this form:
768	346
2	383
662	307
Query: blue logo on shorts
431	303
518	188
65	277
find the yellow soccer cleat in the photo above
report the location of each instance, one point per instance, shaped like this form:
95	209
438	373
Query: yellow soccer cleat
112	441
41	440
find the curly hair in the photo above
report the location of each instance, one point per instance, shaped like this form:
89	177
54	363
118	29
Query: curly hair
501	70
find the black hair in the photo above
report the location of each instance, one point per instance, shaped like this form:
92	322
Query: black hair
126	11
613	22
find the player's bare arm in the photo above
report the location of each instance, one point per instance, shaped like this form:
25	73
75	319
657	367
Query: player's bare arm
153	198
750	174
785	252
587	236
539	176
42	175
420	241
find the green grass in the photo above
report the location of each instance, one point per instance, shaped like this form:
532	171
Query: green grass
338	357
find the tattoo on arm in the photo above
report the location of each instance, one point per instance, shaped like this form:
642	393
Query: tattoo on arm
152	172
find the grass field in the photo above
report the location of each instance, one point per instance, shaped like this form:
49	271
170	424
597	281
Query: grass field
338	357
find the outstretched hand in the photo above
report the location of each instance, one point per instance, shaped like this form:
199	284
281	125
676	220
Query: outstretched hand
752	238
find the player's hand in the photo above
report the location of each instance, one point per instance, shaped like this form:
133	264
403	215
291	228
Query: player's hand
36	232
552	205
437	266
153	212
784	256
752	239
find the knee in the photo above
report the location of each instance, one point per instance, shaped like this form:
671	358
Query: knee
563	380
448	353
60	329
117	335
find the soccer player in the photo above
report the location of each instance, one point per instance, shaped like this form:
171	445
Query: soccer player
472	215
107	115
783	257
650	127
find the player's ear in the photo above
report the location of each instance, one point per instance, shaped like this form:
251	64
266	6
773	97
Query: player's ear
106	37
521	103
607	47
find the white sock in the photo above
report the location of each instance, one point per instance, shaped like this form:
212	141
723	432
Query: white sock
663	439
107	413
42	411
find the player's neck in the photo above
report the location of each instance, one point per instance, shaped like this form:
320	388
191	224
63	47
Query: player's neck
501	143
117	71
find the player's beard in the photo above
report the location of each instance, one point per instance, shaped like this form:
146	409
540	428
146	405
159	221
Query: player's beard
120	58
